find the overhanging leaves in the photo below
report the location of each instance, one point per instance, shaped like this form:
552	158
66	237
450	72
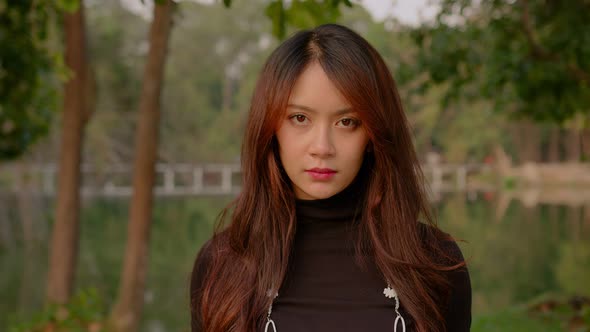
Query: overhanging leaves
531	58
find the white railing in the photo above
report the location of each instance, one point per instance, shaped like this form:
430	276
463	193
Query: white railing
192	180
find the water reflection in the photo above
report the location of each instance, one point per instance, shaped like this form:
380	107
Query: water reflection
516	251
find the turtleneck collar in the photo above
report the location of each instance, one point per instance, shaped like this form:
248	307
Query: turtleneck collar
344	206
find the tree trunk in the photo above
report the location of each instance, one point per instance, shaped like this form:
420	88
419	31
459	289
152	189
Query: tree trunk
553	145
527	141
7	235
64	242
533	140
573	145
586	143
127	310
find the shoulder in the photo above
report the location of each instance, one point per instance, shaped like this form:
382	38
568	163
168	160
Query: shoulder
441	245
202	262
201	267
207	255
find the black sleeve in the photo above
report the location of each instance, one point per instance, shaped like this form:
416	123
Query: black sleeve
458	312
198	274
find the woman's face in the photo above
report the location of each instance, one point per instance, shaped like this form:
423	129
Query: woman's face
321	140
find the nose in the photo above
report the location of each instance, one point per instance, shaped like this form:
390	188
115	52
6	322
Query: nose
322	145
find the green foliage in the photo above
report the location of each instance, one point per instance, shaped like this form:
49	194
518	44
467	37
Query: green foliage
276	13
68	5
509	183
85	312
27	97
302	14
547	312
574	269
513	320
530	58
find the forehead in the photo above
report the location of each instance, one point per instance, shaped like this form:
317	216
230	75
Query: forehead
314	89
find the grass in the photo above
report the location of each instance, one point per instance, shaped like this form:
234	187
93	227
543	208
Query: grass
546	313
514	320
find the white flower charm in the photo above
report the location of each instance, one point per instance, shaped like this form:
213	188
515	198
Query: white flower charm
272	294
269	321
389	292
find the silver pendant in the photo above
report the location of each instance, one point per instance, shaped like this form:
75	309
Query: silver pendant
270	322
390	293
398	319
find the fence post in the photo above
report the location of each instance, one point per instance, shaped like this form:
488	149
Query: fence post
226	173
461	177
197	179
168	180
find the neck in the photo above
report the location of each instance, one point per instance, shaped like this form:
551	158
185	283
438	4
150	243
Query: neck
345	205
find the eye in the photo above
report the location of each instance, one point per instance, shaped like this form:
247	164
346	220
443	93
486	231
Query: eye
298	119
348	123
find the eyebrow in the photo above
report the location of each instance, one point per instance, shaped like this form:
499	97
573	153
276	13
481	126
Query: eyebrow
309	109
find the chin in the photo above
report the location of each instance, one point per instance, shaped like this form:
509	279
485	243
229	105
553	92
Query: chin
321	193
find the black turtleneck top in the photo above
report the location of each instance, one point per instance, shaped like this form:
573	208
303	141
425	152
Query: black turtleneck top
326	290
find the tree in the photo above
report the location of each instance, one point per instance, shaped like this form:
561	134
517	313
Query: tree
530	58
26	75
301	14
65	233
128	307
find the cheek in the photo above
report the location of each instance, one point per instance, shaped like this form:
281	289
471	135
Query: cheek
290	139
287	146
283	143
284	134
355	149
282	140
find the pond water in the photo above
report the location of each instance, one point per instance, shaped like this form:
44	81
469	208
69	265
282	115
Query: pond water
514	256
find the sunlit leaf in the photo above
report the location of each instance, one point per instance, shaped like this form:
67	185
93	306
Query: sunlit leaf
276	13
68	5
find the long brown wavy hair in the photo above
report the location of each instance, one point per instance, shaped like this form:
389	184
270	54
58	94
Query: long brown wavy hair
250	255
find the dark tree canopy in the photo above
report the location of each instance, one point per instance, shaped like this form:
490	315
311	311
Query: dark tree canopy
26	97
530	57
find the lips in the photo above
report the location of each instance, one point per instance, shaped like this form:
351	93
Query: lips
321	170
321	173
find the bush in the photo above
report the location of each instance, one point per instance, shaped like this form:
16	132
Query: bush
85	312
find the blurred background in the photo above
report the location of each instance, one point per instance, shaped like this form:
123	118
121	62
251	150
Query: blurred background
121	124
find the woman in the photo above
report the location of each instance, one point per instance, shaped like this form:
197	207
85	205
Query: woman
332	230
